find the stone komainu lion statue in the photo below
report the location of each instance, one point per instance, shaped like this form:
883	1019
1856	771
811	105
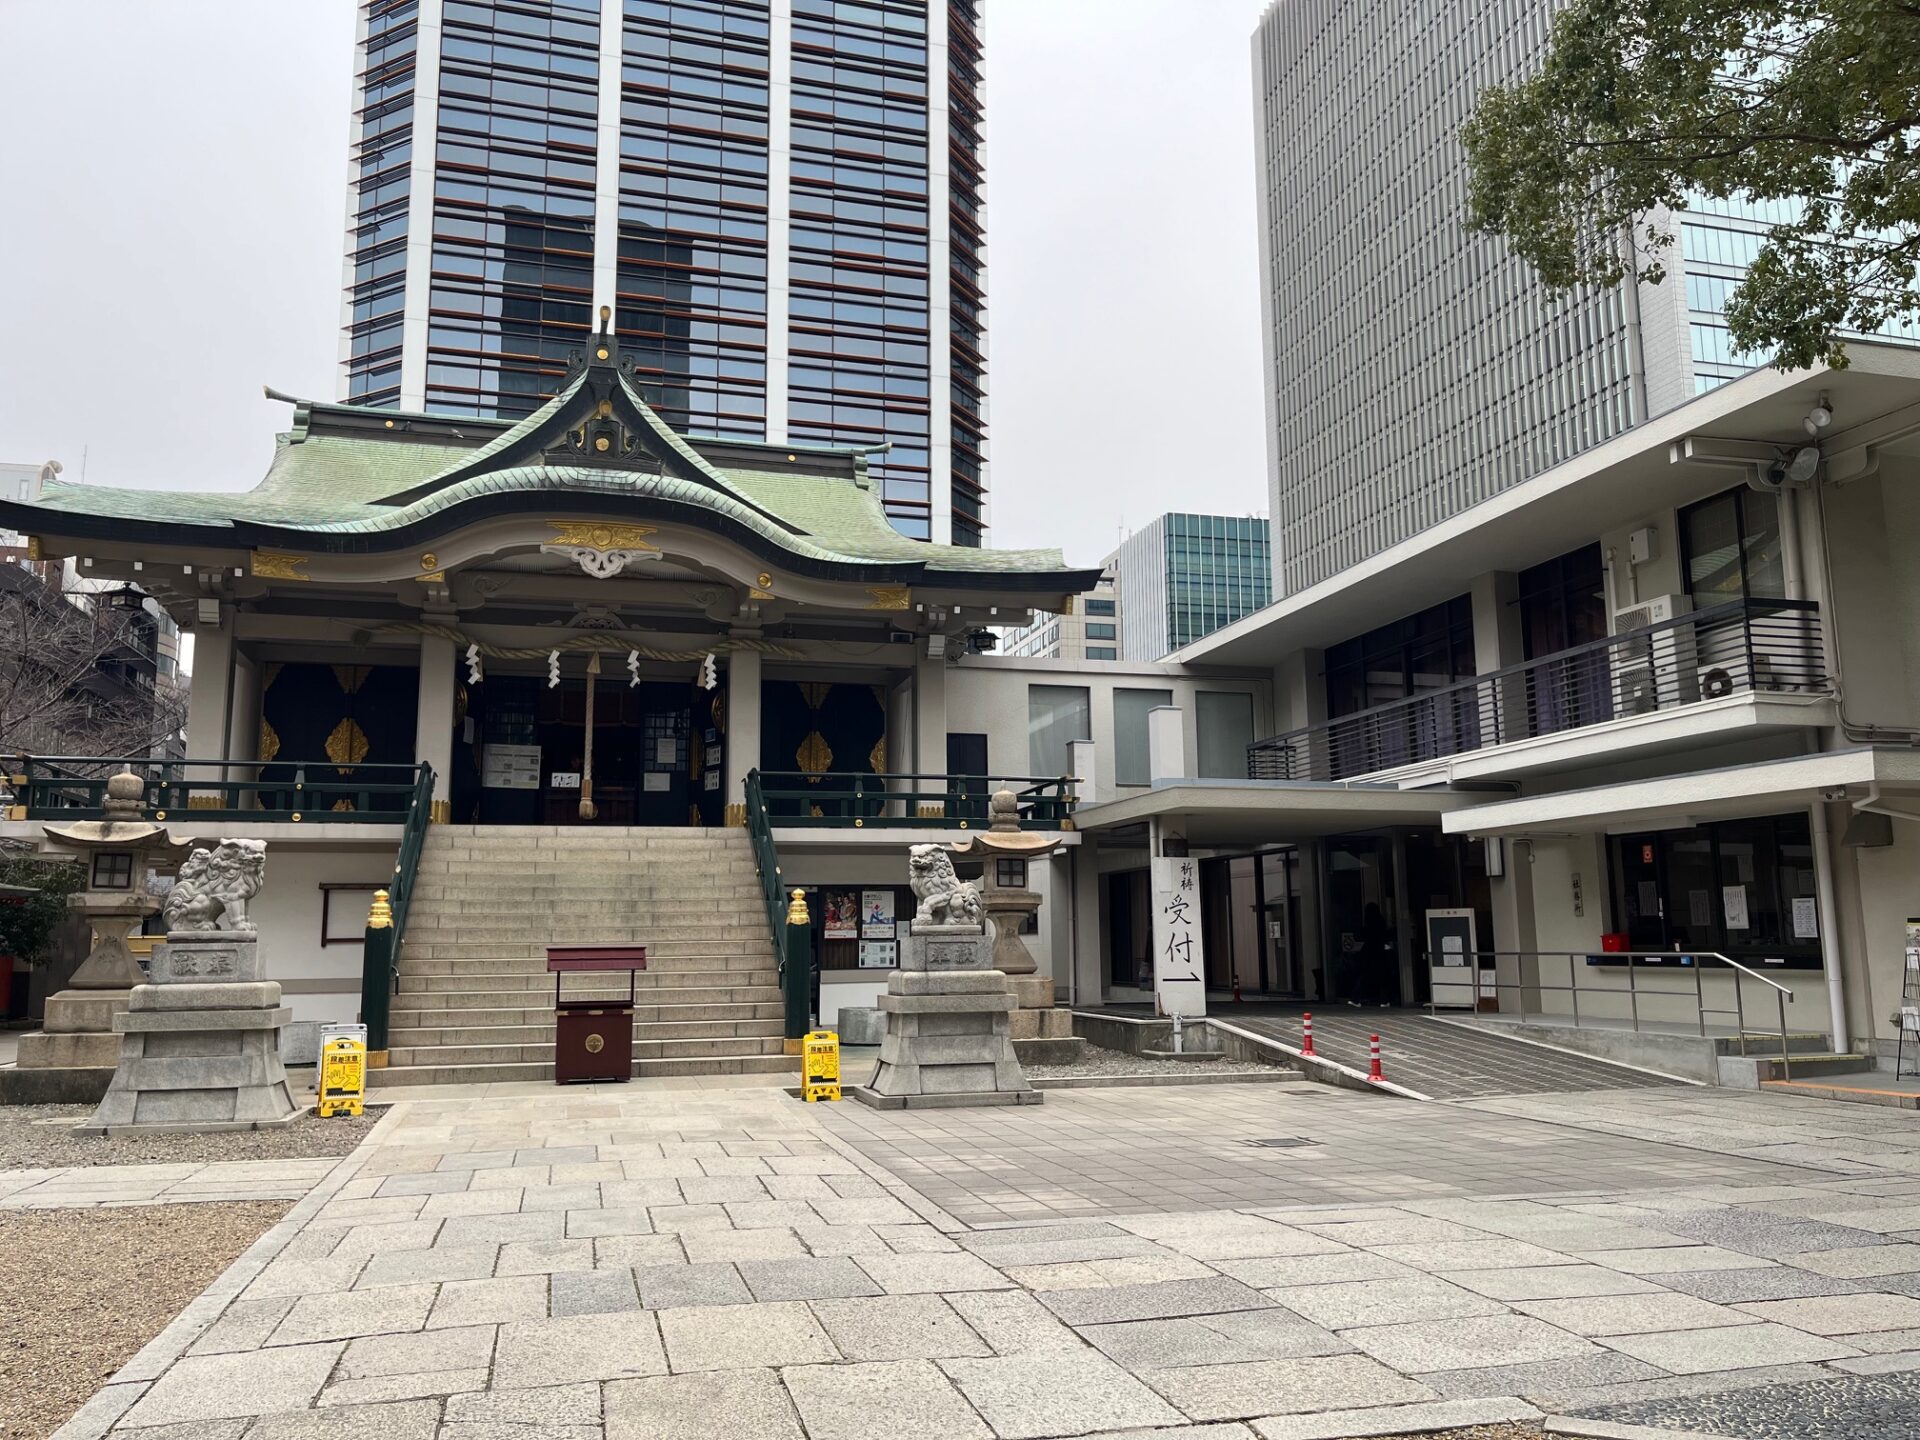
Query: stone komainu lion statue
945	899
214	886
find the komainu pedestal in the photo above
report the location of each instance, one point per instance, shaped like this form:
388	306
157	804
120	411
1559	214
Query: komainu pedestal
946	1009
200	1044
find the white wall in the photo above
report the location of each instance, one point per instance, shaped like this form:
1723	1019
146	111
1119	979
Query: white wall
321	982
988	695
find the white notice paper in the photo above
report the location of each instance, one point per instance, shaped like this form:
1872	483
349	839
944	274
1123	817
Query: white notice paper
1179	961
1733	900
1806	918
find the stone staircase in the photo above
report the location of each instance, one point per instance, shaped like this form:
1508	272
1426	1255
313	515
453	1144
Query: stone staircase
474	1000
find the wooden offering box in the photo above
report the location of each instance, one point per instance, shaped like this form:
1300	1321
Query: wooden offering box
593	1039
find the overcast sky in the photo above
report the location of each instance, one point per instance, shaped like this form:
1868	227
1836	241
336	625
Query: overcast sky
172	203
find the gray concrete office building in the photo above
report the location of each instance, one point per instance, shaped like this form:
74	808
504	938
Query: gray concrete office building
1413	369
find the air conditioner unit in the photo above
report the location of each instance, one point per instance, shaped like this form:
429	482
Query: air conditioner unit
1652	671
1718	681
1654	610
1636	690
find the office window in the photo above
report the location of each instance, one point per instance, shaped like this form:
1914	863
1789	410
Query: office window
1132	764
1056	716
1223	728
1100	607
1730	548
1420	652
1102	652
1098	631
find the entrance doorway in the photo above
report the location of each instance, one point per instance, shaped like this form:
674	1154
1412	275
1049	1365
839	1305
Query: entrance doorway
657	753
1251	922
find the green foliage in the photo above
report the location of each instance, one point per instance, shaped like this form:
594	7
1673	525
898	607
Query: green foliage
25	929
1644	105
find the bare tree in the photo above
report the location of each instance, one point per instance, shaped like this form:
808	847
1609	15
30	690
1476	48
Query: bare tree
78	671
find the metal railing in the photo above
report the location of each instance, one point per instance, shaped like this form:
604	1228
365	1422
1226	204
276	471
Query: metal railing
792	944
73	787
839	801
1742	646
384	934
1634	964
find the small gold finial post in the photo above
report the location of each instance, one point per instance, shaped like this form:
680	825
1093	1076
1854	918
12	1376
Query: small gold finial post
797	909
380	916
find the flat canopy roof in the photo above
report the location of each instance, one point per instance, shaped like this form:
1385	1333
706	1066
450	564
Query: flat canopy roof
1763	788
1272	812
1648	468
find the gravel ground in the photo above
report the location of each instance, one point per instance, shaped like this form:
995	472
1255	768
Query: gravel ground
86	1289
35	1137
1118	1062
1514	1431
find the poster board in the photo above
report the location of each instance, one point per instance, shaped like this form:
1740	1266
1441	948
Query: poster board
1453	974
1179	955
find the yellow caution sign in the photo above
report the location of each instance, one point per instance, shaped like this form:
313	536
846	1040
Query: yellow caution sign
343	1077
821	1059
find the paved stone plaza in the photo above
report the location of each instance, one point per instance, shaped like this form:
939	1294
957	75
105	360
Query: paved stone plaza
641	1261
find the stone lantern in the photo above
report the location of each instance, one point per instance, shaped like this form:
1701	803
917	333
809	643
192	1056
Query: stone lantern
1041	1033
117	850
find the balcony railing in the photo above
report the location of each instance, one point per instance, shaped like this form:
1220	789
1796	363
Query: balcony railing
1744	646
73	787
855	801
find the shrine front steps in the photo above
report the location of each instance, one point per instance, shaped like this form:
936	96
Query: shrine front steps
474	999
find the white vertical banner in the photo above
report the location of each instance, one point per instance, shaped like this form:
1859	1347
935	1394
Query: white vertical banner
1179	961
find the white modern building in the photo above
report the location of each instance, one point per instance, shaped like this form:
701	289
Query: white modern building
781	203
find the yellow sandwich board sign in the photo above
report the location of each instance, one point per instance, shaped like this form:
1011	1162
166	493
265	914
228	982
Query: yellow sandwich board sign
821	1062
343	1076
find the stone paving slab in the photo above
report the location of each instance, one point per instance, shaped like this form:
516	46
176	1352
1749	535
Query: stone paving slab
92	1186
757	1268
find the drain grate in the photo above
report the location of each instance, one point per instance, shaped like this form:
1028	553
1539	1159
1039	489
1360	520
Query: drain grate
1282	1142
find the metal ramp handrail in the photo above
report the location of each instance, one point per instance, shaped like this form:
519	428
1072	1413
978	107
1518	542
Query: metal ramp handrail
1668	962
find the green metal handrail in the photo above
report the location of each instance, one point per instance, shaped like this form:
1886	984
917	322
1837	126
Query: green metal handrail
73	787
792	943
911	801
386	929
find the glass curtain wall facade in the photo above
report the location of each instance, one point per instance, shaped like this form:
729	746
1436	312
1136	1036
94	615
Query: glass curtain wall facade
782	201
1185	576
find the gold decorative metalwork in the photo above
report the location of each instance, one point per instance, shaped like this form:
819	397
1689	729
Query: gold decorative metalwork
816	812
269	740
430	571
343	805
764	580
933	812
268	565
429	561
380	915
797	908
719	711
595	1043
889	597
758	594
440	812
269	673
351	677
33	548
203	802
603	537
348	745
877	757
815	693
159	815
814	755
736	814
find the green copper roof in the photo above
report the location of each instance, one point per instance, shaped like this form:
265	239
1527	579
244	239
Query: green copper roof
346	476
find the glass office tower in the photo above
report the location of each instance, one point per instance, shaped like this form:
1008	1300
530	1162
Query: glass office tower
1185	576
781	200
